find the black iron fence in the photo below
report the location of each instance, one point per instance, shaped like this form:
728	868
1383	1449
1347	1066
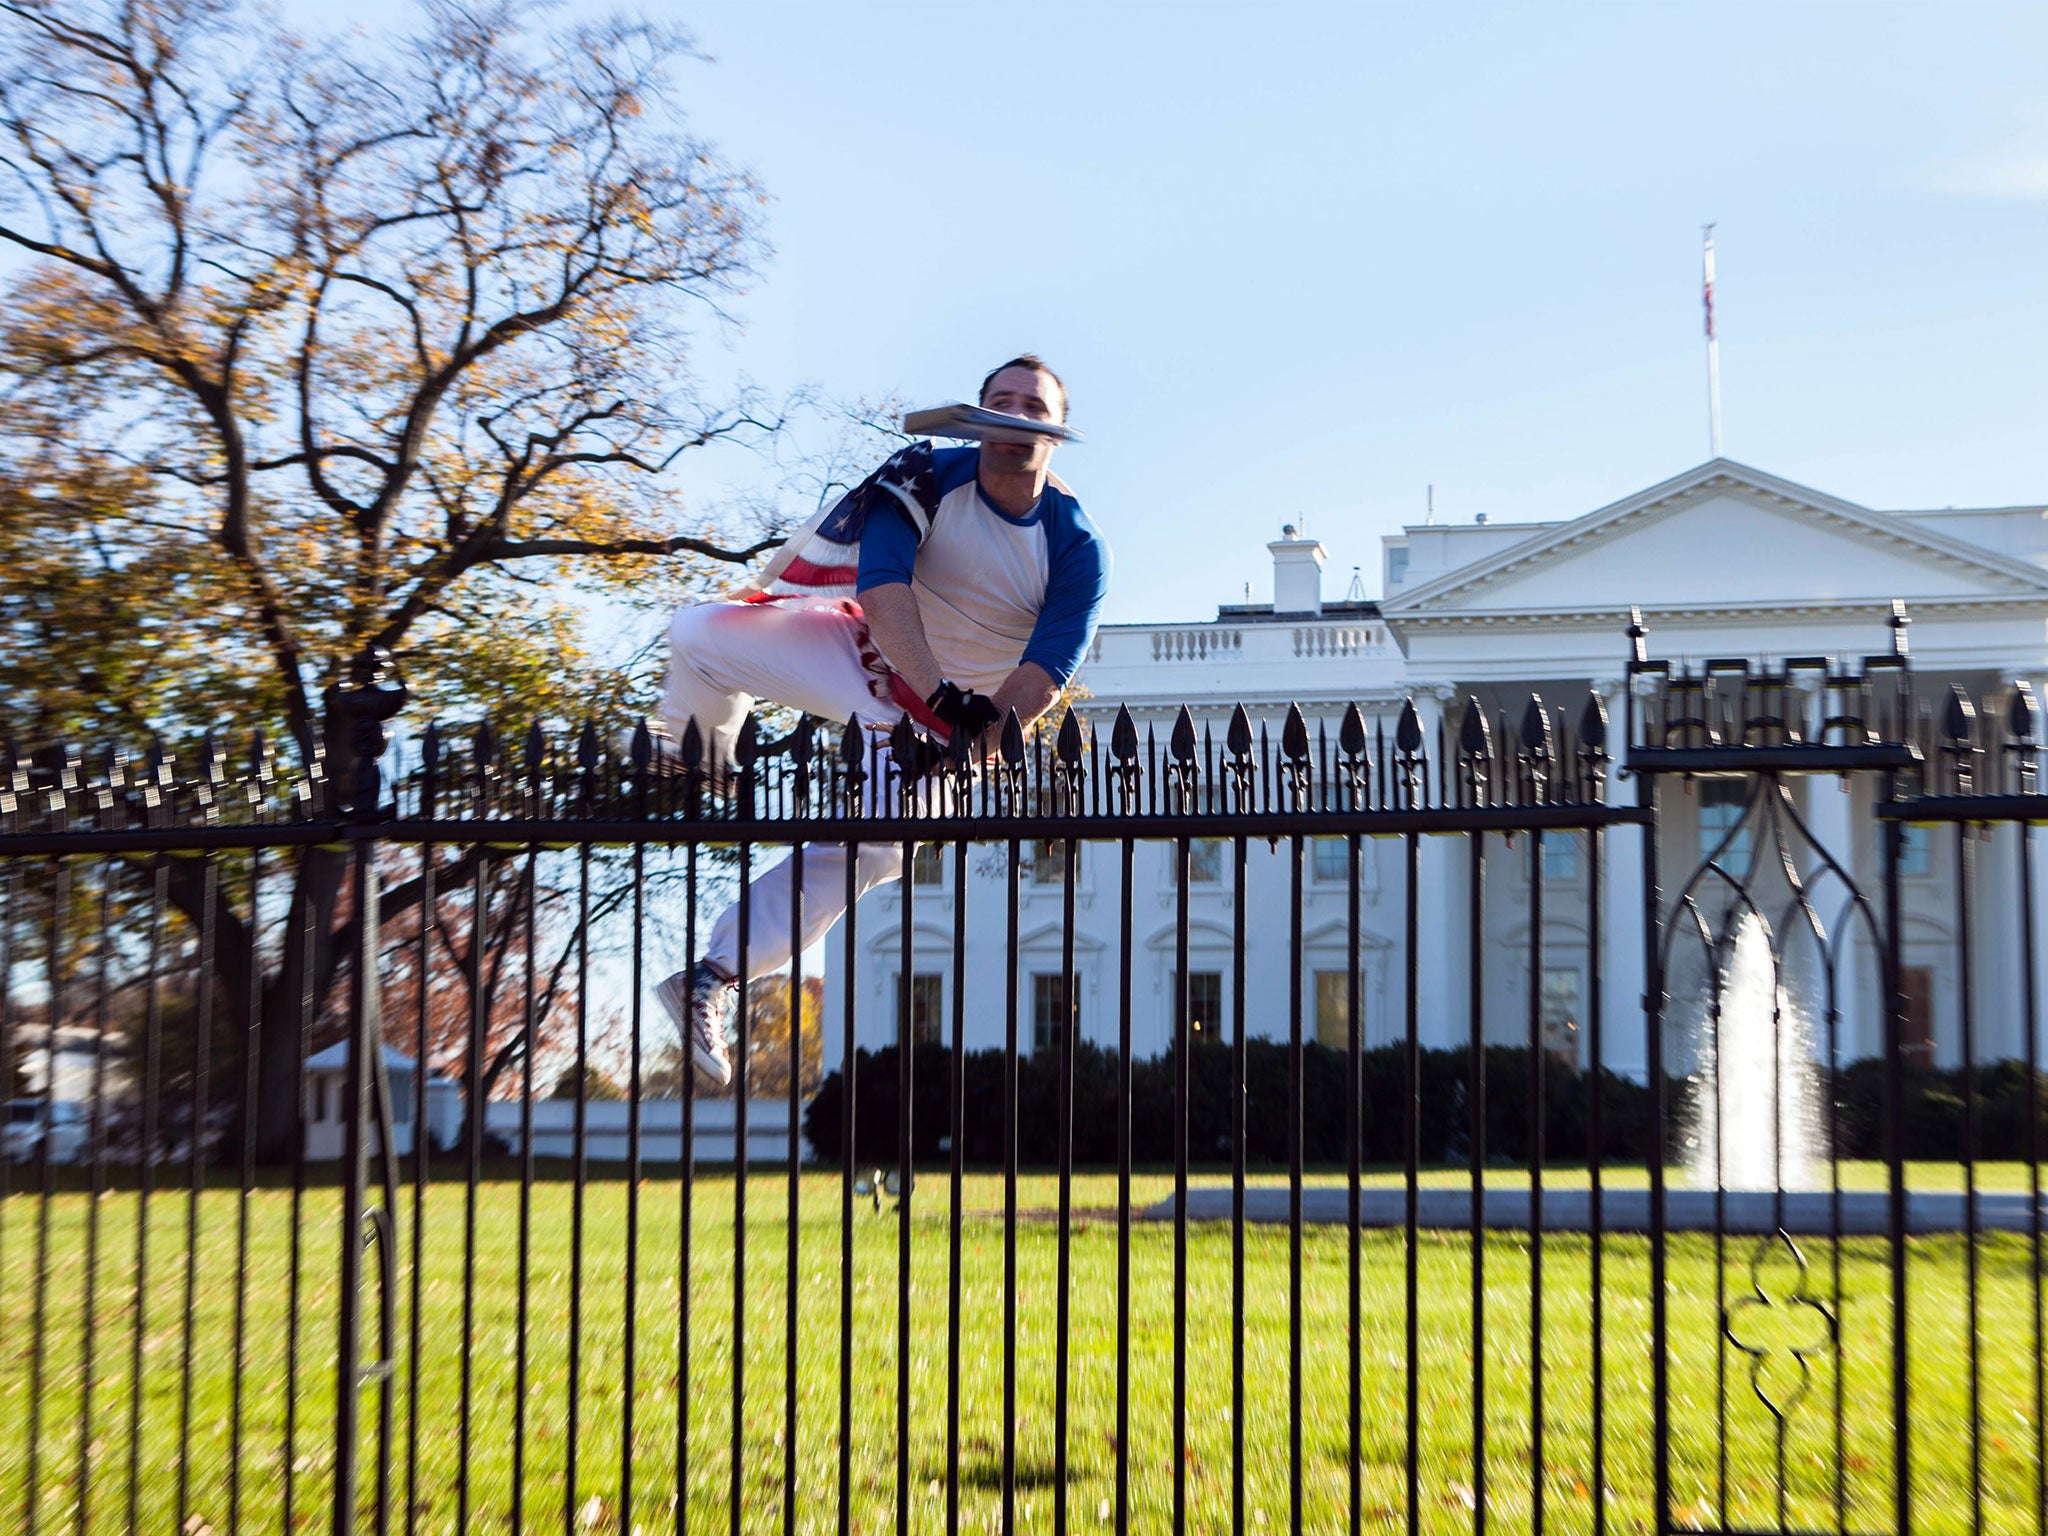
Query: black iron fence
1734	1222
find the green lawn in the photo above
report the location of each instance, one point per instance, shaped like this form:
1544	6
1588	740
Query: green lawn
1940	1405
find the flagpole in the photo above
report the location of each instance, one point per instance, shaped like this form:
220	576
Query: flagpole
1713	342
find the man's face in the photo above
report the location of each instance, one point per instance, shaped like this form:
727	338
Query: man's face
1029	393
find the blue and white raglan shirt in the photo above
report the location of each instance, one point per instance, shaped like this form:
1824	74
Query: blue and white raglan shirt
993	591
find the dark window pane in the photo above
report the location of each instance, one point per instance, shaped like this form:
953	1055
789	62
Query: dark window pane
1721	806
1333	1010
1049	861
1205	1007
927	1008
1054	1005
1561	1010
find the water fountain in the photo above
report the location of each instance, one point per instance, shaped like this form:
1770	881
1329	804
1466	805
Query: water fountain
1768	1132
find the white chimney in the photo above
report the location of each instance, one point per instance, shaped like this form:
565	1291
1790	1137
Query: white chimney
1297	573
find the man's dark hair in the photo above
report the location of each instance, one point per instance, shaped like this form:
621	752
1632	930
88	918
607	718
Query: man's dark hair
1036	364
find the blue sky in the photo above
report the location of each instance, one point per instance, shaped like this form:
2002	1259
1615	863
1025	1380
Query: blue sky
1298	262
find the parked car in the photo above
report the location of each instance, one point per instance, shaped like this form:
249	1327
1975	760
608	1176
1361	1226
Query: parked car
28	1121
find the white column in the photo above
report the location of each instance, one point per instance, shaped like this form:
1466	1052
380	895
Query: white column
1443	962
833	1022
1835	816
1624	1042
2038	868
2001	1003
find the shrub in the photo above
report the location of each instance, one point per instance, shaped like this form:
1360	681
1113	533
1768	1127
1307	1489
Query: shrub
1442	1120
1933	1117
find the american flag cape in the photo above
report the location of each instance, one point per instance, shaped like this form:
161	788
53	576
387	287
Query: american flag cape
822	559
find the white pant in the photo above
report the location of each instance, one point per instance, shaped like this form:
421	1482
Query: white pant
723	656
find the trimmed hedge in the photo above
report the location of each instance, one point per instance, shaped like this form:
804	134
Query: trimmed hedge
1933	1108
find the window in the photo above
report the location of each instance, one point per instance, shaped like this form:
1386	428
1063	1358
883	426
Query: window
928	865
1560	854
1332	858
1205	861
1561	1011
1722	802
927	1008
1049	861
1205	1007
1054	1005
1333	1010
1916	850
1397	564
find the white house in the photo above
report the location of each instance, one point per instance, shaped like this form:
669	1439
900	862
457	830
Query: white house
326	1086
1723	560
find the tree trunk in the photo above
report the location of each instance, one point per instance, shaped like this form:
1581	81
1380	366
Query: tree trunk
291	1000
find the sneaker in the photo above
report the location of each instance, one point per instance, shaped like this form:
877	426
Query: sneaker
697	1000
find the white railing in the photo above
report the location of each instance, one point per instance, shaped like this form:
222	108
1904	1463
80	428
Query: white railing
1292	641
1347	640
1195	644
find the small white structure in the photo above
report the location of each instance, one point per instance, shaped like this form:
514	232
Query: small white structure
606	1130
326	1090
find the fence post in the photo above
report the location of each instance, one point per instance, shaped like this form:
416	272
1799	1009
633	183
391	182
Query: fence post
356	735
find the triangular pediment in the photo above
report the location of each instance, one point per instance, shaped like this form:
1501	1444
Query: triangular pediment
1723	535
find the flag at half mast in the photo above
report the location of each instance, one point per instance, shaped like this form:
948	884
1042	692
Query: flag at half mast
1707	280
1713	346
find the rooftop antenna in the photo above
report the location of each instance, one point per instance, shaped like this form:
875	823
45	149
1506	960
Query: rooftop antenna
1429	513
1355	593
1713	342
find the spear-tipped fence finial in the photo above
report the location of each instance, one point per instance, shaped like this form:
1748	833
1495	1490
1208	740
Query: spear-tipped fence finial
1351	737
1123	736
1408	730
1593	724
1067	745
1237	737
1294	734
1475	741
2019	713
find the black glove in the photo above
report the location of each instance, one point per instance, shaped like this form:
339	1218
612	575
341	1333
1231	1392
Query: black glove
962	709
